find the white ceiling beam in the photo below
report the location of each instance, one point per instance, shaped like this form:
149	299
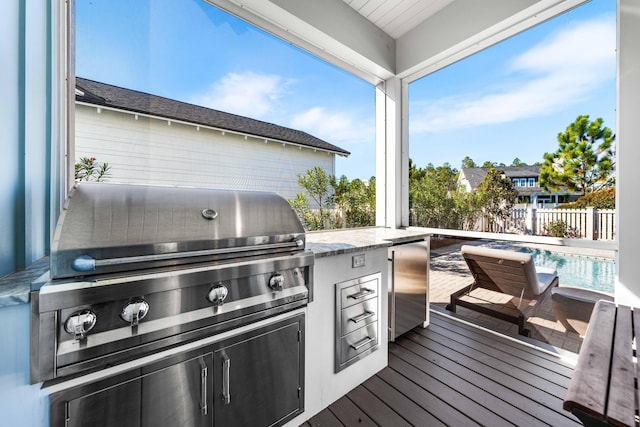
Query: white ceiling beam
467	26
328	29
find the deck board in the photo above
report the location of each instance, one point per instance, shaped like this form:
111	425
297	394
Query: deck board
453	373
349	414
523	352
521	370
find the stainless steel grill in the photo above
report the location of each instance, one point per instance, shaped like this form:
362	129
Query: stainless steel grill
137	271
109	227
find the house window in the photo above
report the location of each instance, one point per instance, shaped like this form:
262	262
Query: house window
516	182
523	182
532	182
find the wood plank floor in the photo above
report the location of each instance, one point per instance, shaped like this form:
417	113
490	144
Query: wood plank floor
455	374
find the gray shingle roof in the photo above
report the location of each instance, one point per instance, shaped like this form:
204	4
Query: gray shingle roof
131	100
476	175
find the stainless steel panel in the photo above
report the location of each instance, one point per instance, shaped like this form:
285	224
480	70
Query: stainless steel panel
259	378
60	294
408	287
358	343
358	315
174	392
358	290
104	221
179	310
183	386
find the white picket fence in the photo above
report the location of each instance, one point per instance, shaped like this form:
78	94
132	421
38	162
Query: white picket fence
589	223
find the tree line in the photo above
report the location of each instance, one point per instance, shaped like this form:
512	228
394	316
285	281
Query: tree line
583	163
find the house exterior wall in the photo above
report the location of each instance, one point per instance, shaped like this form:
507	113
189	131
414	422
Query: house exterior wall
150	150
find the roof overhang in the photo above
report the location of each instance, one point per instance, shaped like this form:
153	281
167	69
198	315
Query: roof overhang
340	32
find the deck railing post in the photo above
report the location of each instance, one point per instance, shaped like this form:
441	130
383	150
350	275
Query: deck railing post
590	224
530	220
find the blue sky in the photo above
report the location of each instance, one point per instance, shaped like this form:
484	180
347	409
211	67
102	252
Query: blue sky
508	101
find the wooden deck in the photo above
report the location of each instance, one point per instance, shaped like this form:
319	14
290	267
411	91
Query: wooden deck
456	374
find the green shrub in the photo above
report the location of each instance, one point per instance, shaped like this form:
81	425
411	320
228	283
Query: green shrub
559	228
602	199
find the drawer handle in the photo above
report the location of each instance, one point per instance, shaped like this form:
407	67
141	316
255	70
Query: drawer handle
360	317
363	293
364	341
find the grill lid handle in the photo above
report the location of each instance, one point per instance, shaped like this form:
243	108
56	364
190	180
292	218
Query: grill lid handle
85	263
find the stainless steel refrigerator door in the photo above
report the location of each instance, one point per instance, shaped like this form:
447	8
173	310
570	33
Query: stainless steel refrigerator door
407	287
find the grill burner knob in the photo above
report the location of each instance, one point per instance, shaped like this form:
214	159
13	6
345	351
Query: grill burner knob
276	282
79	323
135	311
217	294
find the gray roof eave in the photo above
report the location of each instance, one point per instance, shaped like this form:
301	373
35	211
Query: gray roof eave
104	95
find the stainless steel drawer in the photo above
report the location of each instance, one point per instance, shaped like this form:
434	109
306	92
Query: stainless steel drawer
358	290
358	343
358	315
356	319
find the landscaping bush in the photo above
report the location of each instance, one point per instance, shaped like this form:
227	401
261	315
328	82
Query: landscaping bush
602	199
559	228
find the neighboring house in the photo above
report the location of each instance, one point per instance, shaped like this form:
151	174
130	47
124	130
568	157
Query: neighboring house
525	179
147	138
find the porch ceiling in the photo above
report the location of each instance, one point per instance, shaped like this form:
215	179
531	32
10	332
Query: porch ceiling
397	17
380	39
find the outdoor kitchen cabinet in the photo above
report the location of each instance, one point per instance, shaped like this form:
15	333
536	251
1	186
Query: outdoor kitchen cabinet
258	379
322	384
177	388
250	379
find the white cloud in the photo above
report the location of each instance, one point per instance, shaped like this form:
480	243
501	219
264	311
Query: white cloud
258	95
334	127
558	72
249	94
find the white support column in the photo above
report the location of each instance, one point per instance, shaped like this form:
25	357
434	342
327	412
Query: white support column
381	155
628	153
403	199
392	158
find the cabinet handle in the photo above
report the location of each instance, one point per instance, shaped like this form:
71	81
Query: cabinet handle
203	387
363	293
364	341
360	317
226	365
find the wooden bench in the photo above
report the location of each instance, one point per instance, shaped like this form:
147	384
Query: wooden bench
603	389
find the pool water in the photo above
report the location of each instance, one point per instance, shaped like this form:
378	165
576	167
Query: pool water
580	271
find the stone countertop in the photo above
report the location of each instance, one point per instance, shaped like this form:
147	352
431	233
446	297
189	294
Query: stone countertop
15	287
334	242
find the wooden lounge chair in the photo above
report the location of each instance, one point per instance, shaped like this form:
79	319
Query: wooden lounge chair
508	272
573	306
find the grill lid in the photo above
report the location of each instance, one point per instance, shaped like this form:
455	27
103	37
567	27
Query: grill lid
107	227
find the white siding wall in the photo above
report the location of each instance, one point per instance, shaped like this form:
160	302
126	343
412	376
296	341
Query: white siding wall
149	150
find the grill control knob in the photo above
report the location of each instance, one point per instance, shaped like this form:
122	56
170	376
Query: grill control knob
276	282
217	294
79	323
135	311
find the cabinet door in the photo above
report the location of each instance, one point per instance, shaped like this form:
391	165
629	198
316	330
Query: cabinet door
258	378
177	395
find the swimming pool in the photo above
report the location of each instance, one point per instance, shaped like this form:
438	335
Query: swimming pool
581	271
